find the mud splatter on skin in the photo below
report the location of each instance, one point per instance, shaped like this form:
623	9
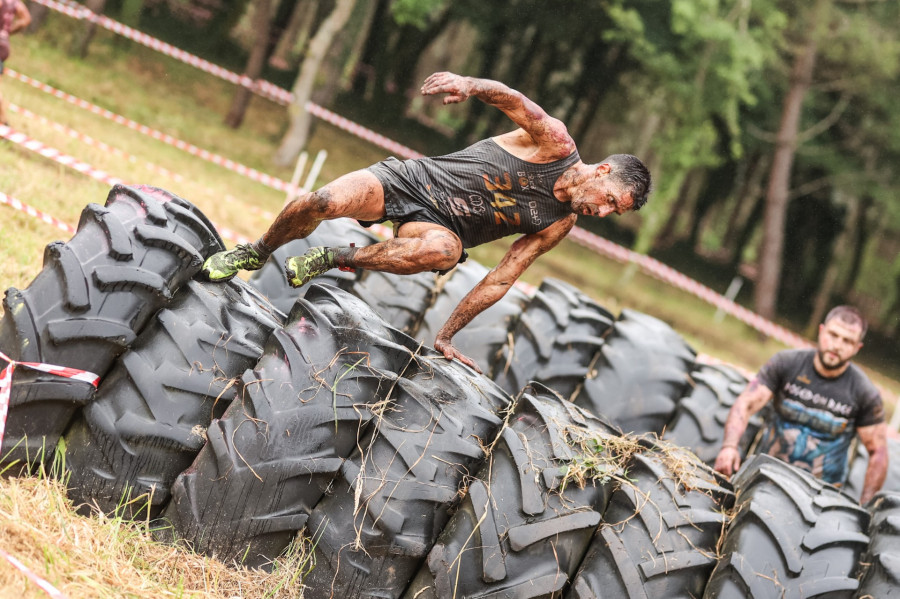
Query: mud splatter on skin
356	195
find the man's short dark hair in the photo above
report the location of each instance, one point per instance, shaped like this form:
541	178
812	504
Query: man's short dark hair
851	316
630	172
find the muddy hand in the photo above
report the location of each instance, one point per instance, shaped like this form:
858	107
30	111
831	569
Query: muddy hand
458	88
728	461
450	352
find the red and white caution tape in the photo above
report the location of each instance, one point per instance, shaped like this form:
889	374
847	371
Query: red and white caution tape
6	377
45	586
241	169
669	275
90	141
23	207
84	168
259	87
57	156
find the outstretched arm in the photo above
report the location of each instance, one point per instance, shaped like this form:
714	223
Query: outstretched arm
488	291
875	439
749	402
543	129
22	18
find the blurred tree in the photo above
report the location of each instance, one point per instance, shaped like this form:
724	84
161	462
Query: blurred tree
262	25
295	138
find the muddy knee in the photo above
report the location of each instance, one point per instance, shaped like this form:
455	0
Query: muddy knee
442	253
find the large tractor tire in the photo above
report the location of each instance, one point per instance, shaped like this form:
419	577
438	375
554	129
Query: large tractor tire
379	519
149	418
271	280
659	533
641	372
296	418
93	296
792	536
483	338
881	579
401	300
519	531
555	341
699	420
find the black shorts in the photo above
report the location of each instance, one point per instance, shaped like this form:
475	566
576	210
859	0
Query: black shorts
403	202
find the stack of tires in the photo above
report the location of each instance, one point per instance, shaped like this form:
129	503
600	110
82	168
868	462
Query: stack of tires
92	298
239	430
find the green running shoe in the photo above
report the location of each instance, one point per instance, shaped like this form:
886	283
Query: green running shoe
223	266
300	270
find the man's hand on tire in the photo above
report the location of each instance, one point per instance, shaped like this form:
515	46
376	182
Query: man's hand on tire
445	347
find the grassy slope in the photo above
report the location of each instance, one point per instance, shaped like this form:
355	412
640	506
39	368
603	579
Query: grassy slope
180	100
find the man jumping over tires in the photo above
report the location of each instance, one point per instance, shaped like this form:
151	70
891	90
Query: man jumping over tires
529	181
821	401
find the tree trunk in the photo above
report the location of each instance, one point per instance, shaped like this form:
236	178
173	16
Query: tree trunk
262	25
770	259
39	14
829	281
83	38
296	137
295	34
862	234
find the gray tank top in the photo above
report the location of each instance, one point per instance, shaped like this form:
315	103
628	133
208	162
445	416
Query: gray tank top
486	193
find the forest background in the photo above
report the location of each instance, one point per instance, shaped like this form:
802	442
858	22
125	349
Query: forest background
770	126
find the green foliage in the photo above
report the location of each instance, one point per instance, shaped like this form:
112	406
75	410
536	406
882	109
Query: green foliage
416	12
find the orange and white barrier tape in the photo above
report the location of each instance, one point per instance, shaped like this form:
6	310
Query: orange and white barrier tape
45	586
6	377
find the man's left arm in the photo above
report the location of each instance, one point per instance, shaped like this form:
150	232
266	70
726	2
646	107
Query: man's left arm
494	286
874	438
22	18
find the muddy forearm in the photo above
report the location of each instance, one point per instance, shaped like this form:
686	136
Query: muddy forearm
495	93
477	301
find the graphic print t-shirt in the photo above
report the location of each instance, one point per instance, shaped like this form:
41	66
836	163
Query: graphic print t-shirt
486	193
816	417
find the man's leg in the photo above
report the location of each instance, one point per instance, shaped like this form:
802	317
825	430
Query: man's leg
356	195
418	247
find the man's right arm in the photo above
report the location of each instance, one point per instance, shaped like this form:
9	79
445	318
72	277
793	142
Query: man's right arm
544	130
748	403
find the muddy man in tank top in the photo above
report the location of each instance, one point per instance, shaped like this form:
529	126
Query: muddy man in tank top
530	181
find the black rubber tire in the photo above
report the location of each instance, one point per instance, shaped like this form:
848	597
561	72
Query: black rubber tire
660	531
149	418
641	372
396	490
699	419
88	303
280	443
483	338
881	578
555	341
516	534
401	300
271	280
857	475
792	536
